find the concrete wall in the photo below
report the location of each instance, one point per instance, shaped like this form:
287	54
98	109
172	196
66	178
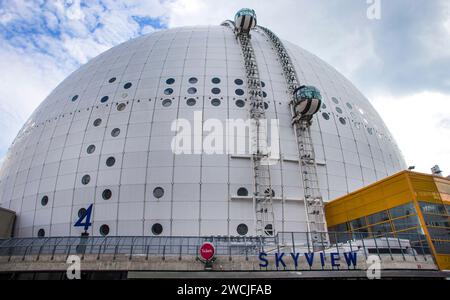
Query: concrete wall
7	219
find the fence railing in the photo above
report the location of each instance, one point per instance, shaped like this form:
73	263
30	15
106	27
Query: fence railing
400	245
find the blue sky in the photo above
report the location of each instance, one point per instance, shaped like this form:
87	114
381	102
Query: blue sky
401	62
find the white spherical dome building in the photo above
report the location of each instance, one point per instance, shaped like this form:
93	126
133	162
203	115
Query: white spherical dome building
103	137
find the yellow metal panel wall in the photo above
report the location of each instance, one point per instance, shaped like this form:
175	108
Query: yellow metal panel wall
391	192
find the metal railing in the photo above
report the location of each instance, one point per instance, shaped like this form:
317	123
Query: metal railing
412	246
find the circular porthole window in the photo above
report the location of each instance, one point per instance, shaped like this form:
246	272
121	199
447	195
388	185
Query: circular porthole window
335	100
74	98
215	80
339	110
215	102
192	91
239	92
166	103
104	99
242	229
127	85
191	102
115	132
349	105
86	179
342	120
44	201
215	91
240	103
264	94
110	161
266	105
112	80
158	192
81	212
324	106
239	82
157	229
41	233
242	192
193	80
90	149
168	91
326	116
97	122
268	230
170	81
121	106
104	230
263	84
106	194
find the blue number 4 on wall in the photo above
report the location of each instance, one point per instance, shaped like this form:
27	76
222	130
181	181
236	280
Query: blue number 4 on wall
87	217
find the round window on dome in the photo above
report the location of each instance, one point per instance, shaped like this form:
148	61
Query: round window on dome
41	233
342	120
127	85
335	100
104	230
215	80
239	82
157	229
74	98
192	91
112	80
264	94
90	149
324	106
239	92
242	192
215	91
349	105
166	103
82	212
240	103
339	110
168	91
104	99
115	132
242	229
44	201
191	102
86	179
263	84
326	116
170	81
97	122
158	192
121	107
266	105
215	102
193	80
107	194
110	161
268	230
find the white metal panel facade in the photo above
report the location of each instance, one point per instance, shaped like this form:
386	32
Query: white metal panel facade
90	118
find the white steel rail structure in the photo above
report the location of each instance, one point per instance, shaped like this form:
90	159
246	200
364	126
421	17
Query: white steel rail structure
262	187
314	208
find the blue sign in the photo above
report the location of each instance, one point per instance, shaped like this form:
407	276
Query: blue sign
87	217
335	258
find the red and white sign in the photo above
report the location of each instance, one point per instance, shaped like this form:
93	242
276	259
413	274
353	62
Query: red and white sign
207	251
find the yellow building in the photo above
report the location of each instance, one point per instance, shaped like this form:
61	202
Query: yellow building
407	205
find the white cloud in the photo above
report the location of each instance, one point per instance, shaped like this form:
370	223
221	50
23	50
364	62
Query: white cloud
420	124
